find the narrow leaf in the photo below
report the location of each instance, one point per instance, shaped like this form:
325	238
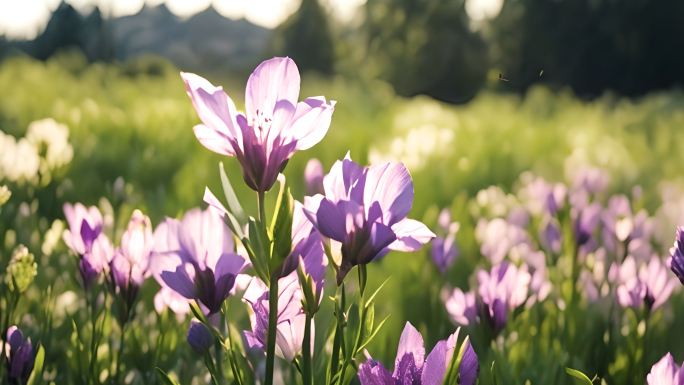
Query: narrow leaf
369	339
376	291
281	226
233	203
37	374
167	380
579	377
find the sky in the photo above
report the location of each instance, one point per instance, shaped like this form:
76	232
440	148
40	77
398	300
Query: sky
25	19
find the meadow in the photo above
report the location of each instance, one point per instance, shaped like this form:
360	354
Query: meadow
129	145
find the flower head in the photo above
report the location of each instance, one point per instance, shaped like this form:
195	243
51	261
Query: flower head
199	337
665	372
313	176
411	367
20	357
365	209
677	252
85	225
274	127
204	267
651	287
165	243
586	222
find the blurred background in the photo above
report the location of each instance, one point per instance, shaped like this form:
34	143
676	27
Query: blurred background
467	93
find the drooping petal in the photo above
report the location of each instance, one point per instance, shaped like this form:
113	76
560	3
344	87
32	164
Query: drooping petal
411	235
180	281
217	111
311	121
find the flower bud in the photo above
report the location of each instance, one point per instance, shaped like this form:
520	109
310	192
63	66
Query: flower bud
21	269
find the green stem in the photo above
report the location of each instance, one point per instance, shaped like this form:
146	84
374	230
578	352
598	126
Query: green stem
272	325
262	209
307	374
362	315
93	349
335	358
117	369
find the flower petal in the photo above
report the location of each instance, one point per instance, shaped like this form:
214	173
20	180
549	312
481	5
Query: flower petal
391	185
272	81
311	121
411	235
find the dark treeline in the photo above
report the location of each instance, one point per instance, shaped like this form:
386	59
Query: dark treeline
429	47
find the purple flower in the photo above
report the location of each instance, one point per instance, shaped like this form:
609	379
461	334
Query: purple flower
665	372
165	242
96	259
461	306
85	239
550	234
20	357
501	290
444	248
275	125
129	267
677	252
651	287
85	225
204	267
586	222
291	318
545	197
592	179
499	237
410	366
313	176
199	337
290	322
365	209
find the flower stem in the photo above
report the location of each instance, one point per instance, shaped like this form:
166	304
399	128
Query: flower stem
272	326
307	374
262	209
362	320
117	369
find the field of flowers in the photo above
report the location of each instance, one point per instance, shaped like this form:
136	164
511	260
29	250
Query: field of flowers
539	245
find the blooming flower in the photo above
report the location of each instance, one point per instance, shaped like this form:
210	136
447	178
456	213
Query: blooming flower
665	372
444	249
20	357
313	176
199	337
204	267
410	366
166	241
677	252
586	221
85	239
275	125
500	291
85	224
650	287
365	209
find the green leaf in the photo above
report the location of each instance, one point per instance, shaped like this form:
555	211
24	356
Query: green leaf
37	374
455	363
353	324
367	329
233	203
578	376
495	379
234	225
257	263
375	332
281	226
167	380
260	242
376	291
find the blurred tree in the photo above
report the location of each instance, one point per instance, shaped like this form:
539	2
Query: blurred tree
425	47
305	37
629	46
